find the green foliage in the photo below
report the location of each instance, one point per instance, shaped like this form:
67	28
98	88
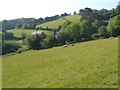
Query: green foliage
56	23
48	42
6	25
114	26
72	30
0	26
103	32
10	46
33	42
87	29
23	35
62	38
28	26
18	32
89	15
16	23
7	35
99	23
96	36
65	25
75	32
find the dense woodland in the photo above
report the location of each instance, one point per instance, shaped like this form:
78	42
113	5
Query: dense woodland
93	24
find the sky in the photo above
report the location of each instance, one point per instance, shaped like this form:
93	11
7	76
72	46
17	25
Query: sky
12	9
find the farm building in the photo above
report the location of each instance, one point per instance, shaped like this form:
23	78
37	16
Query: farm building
35	33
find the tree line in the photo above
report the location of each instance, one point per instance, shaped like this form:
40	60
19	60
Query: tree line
28	23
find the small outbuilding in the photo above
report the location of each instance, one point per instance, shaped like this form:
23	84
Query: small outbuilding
35	33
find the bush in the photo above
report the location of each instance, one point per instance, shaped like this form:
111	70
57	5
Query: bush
49	42
96	36
103	32
23	35
114	26
33	42
10	46
7	35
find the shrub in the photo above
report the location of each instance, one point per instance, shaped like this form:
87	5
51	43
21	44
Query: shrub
114	26
49	42
10	46
96	36
7	35
33	42
103	32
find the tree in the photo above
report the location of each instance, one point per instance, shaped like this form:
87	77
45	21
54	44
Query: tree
103	32
75	31
105	14
114	26
118	7
49	42
64	26
10	46
28	26
87	30
19	26
96	36
6	25
7	35
39	21
81	11
63	37
88	10
23	35
65	14
74	13
89	15
34	42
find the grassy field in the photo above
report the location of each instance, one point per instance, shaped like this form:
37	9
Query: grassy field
56	23
18	32
92	64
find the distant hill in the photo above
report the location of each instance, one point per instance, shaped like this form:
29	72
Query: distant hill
11	24
55	24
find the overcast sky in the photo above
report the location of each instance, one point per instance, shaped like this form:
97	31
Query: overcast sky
12	9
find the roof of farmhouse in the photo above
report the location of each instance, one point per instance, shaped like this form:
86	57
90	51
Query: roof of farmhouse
37	32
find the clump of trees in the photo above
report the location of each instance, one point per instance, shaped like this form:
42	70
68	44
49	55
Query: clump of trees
7	35
10	46
114	26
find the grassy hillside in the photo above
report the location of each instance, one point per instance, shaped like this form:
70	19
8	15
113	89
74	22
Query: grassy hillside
18	32
56	23
92	64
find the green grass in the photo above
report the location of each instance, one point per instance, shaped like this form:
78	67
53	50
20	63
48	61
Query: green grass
28	32
92	64
56	23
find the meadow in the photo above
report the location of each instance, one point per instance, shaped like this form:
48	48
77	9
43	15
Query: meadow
55	24
92	64
18	32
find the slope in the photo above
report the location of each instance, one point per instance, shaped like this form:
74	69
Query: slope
92	64
55	24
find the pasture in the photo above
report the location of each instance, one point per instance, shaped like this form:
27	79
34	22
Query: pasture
92	64
54	24
18	32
